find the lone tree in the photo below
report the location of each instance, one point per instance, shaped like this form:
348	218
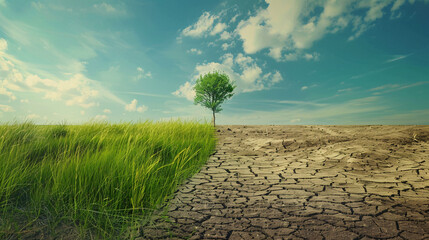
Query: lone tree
212	89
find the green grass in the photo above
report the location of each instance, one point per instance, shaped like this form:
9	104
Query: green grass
95	180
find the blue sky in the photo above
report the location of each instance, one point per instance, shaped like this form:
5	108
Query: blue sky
294	62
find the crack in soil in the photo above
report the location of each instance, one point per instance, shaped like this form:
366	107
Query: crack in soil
306	182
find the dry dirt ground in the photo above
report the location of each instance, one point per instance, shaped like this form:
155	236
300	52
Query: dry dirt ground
306	182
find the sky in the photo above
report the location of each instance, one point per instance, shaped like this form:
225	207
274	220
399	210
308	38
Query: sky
293	61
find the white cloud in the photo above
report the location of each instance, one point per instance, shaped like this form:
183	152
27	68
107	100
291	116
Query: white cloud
225	46
375	9
6	108
303	88
132	107
3	44
276	53
313	56
251	74
218	28
77	90
63	80
346	90
107	110
186	90
387	88
195	51
277	77
142	109
141	74
233	19
225	35
396	58
107	8
397	5
4	91
243	70
201	27
24	101
287	28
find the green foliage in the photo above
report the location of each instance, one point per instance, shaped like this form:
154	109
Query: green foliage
212	89
99	177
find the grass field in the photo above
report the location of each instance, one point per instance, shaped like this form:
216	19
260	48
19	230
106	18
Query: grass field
95	180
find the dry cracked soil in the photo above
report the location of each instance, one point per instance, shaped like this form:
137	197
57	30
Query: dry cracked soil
305	182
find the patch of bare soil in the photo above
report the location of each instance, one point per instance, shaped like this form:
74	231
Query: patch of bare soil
306	182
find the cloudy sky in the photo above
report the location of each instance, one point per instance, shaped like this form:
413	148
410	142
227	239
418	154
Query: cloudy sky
294	61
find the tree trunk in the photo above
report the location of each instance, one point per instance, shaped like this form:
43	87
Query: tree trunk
214	119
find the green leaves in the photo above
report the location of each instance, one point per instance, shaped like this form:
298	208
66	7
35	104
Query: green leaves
213	89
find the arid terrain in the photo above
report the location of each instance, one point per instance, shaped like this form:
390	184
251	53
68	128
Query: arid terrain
306	182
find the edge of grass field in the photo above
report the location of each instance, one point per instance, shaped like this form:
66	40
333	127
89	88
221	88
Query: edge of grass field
101	177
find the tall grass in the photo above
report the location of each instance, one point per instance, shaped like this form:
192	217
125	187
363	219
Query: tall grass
99	177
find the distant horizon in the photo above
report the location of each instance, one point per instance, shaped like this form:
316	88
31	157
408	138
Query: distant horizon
190	120
294	62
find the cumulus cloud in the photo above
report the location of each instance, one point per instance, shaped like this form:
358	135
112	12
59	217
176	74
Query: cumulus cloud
287	28
225	35
132	107
195	51
142	74
186	91
225	46
397	5
107	110
304	88
207	25
242	69
233	19
201	27
76	90
311	56
218	28
4	91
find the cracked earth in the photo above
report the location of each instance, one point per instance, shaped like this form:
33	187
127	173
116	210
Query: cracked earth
306	182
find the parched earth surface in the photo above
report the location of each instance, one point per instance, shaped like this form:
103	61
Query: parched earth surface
306	182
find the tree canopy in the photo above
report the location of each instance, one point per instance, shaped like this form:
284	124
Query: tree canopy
212	89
